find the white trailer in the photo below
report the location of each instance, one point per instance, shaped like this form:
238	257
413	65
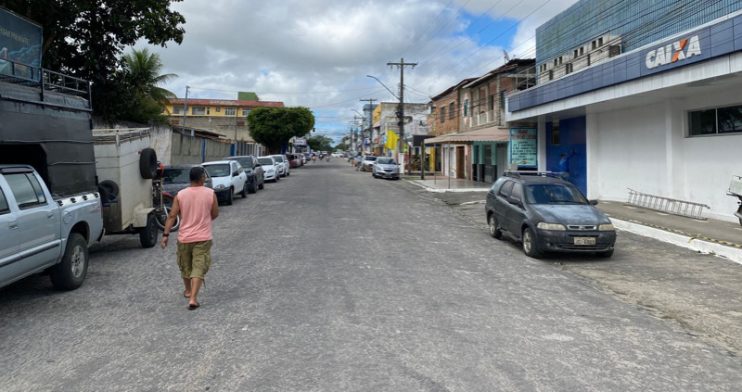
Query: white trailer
125	165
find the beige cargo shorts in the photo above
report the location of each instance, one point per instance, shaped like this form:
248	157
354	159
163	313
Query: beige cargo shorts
194	259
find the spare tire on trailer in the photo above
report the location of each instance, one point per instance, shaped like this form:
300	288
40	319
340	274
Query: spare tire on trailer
148	164
109	191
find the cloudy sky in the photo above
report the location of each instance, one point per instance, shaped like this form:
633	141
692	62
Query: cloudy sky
317	53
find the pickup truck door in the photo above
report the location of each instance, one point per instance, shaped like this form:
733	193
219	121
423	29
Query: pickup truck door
8	247
38	221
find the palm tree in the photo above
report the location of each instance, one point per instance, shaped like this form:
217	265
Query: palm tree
141	72
142	69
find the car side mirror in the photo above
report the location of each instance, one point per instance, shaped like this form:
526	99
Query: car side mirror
593	202
235	174
515	201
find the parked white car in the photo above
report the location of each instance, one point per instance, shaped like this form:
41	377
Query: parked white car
227	177
270	168
284	164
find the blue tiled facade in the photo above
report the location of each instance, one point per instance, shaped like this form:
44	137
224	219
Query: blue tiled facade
638	22
716	40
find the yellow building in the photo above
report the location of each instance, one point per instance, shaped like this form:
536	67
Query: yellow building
225	117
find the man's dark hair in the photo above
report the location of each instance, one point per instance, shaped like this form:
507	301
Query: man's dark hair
196	173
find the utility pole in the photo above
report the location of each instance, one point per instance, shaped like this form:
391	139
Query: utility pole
370	118
353	132
400	113
185	108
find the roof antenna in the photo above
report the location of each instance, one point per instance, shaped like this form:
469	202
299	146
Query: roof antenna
506	55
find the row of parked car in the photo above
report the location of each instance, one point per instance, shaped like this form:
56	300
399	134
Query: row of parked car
234	175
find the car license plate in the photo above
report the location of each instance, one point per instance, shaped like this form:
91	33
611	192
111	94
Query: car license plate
584	240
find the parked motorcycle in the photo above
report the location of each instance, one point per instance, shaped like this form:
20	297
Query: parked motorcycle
735	189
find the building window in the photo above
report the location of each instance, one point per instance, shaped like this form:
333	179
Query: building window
230	111
466	108
198	110
575	56
452	110
491	102
600	41
245	112
555	136
218	109
568	68
555	62
582	50
442	114
177	109
594	45
560	60
551	74
715	121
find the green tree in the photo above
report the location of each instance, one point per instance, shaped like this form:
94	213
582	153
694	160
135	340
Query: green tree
320	143
141	74
273	127
85	38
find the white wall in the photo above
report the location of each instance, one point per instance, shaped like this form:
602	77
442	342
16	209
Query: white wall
645	148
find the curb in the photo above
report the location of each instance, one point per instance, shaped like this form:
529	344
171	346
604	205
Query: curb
688	242
445	190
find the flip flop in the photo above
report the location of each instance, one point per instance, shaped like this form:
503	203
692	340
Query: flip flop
193	306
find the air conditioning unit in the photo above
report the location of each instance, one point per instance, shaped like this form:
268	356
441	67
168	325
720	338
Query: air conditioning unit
614	50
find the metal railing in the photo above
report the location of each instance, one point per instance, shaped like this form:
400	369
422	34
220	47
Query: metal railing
667	205
46	80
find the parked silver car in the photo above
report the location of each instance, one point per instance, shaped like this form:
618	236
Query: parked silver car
385	167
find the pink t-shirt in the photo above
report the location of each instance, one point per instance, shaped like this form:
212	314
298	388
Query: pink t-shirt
195	214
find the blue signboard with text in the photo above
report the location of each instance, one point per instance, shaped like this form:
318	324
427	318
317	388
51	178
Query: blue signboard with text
20	42
524	148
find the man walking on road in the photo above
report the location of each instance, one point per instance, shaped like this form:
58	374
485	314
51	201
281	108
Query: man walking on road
198	207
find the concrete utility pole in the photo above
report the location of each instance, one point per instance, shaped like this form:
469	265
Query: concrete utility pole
400	113
353	133
185	108
370	119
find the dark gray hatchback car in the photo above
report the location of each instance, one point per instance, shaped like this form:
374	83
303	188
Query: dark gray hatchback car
547	214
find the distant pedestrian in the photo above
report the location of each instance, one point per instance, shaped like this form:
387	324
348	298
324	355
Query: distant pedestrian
197	207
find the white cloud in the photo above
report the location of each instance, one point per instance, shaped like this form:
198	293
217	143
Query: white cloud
316	53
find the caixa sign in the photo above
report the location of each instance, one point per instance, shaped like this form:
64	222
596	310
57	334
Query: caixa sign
674	52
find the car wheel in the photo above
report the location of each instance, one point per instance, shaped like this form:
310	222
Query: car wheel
530	245
253	188
492	224
148	234
230	196
262	185
606	254
71	271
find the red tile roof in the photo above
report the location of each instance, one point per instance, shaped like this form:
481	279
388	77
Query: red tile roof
226	102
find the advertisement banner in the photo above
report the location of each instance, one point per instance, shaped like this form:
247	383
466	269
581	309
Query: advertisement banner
523	147
300	142
20	41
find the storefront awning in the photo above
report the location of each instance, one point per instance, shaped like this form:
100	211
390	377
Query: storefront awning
479	135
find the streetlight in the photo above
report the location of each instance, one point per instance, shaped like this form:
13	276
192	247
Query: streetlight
382	83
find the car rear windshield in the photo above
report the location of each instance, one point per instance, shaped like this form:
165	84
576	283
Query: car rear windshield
553	194
244	161
176	175
370	158
220	170
265	161
278	158
385	161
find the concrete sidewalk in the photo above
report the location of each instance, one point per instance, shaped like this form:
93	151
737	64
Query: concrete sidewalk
707	236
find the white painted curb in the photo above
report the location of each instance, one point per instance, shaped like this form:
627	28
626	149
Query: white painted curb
684	241
444	190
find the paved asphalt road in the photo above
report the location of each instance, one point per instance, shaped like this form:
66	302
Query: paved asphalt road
333	281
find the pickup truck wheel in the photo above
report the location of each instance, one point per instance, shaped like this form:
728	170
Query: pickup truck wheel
148	234
71	271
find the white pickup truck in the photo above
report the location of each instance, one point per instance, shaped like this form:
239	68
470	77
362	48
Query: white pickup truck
39	232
